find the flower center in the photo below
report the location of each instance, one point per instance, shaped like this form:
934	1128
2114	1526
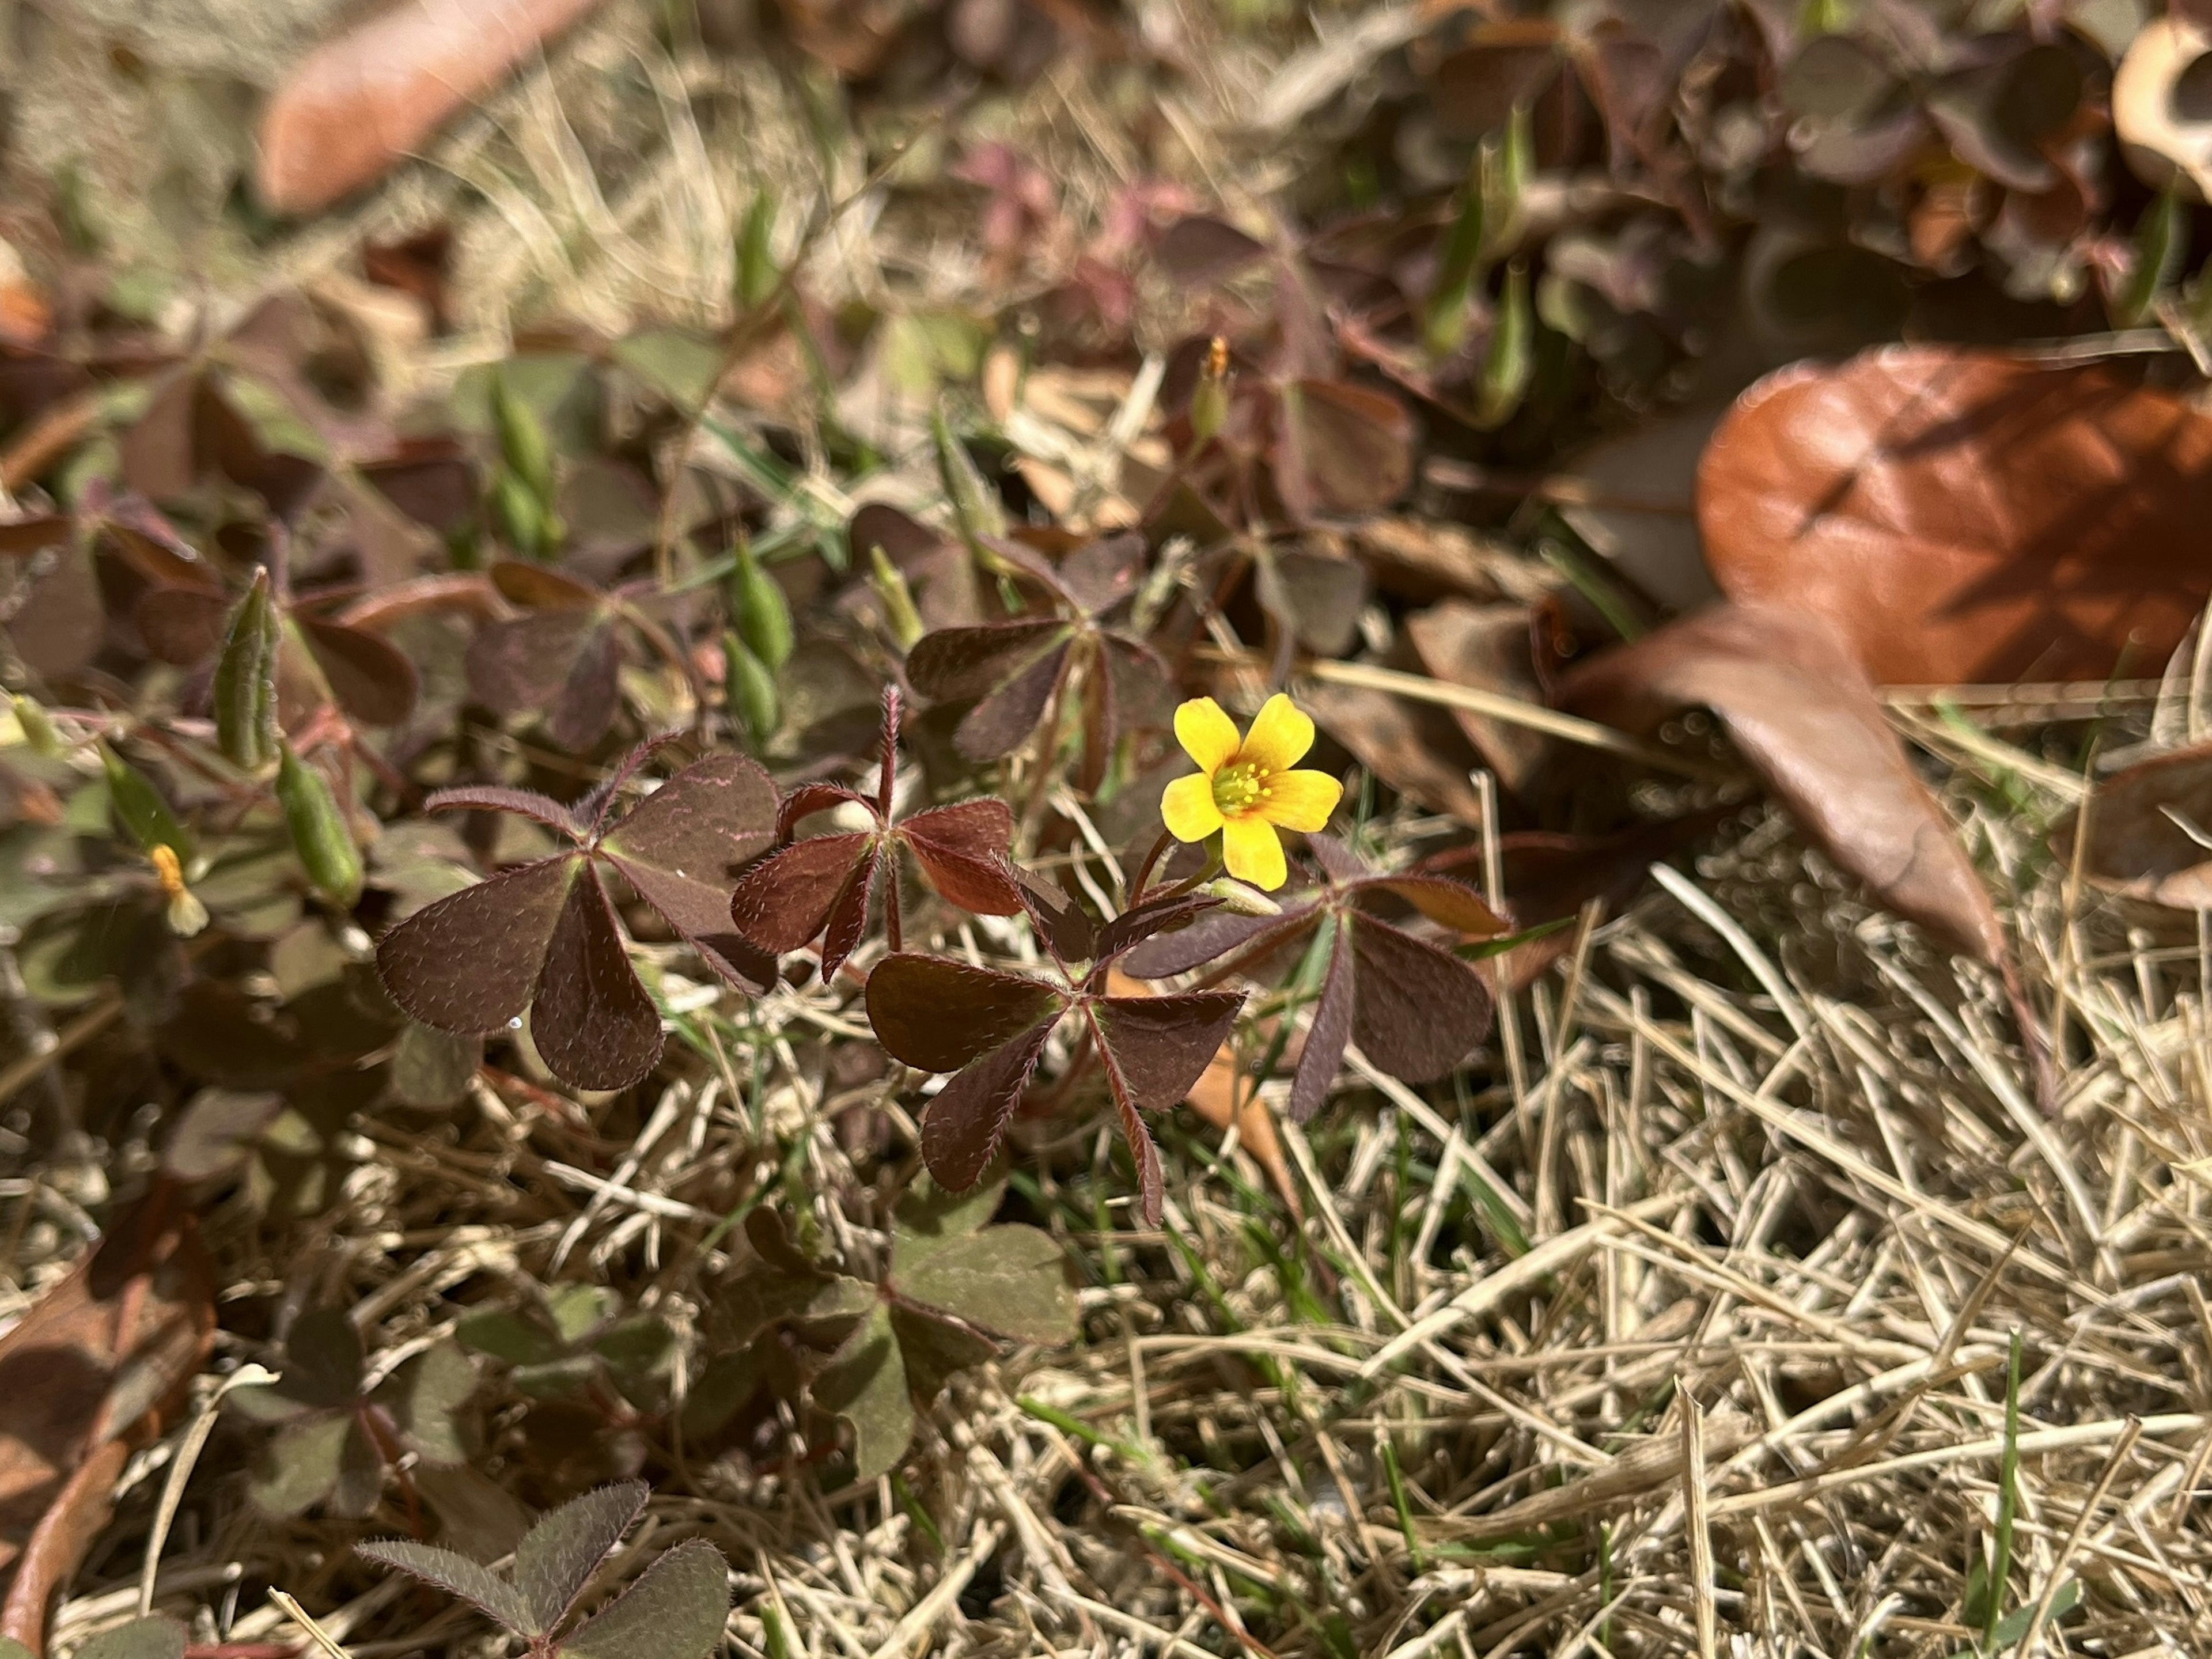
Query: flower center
1237	789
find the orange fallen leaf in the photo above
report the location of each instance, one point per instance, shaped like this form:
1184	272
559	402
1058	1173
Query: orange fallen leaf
1222	1096
1965	516
357	106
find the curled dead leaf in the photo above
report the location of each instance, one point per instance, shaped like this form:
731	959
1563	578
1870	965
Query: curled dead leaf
1806	718
2162	133
1965	516
2150	830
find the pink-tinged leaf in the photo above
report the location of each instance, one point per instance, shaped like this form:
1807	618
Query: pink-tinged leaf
59	629
498	797
471	962
182	626
682	850
939	1015
1132	928
955	664
979	828
982	887
961	848
1199	252
1213	936
431	480
1158	1046
1012	715
560	663
372	679
811	797
1419	1011
466	590
1805	716
580	716
537	587
1342	449
696	832
962	1128
784	902
1330	1033
1100	574
849	913
591	1021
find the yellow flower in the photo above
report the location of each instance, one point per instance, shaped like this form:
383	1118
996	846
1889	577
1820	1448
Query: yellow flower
1245	788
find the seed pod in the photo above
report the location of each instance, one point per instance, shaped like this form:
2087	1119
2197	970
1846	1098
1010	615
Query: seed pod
1508	160
140	810
900	615
749	685
759	609
522	440
520	515
1510	359
245	681
38	727
320	835
757	275
1458	270
975	505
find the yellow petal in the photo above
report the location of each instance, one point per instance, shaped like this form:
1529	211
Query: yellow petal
1279	737
1208	735
1252	851
1187	807
1301	801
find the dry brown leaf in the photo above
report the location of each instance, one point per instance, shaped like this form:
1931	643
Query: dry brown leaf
1222	1096
1806	718
356	107
1413	747
1420	559
1489	647
1965	516
87	1373
2150	830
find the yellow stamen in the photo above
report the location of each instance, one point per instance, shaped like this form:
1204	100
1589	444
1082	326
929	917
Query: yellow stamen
1237	789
